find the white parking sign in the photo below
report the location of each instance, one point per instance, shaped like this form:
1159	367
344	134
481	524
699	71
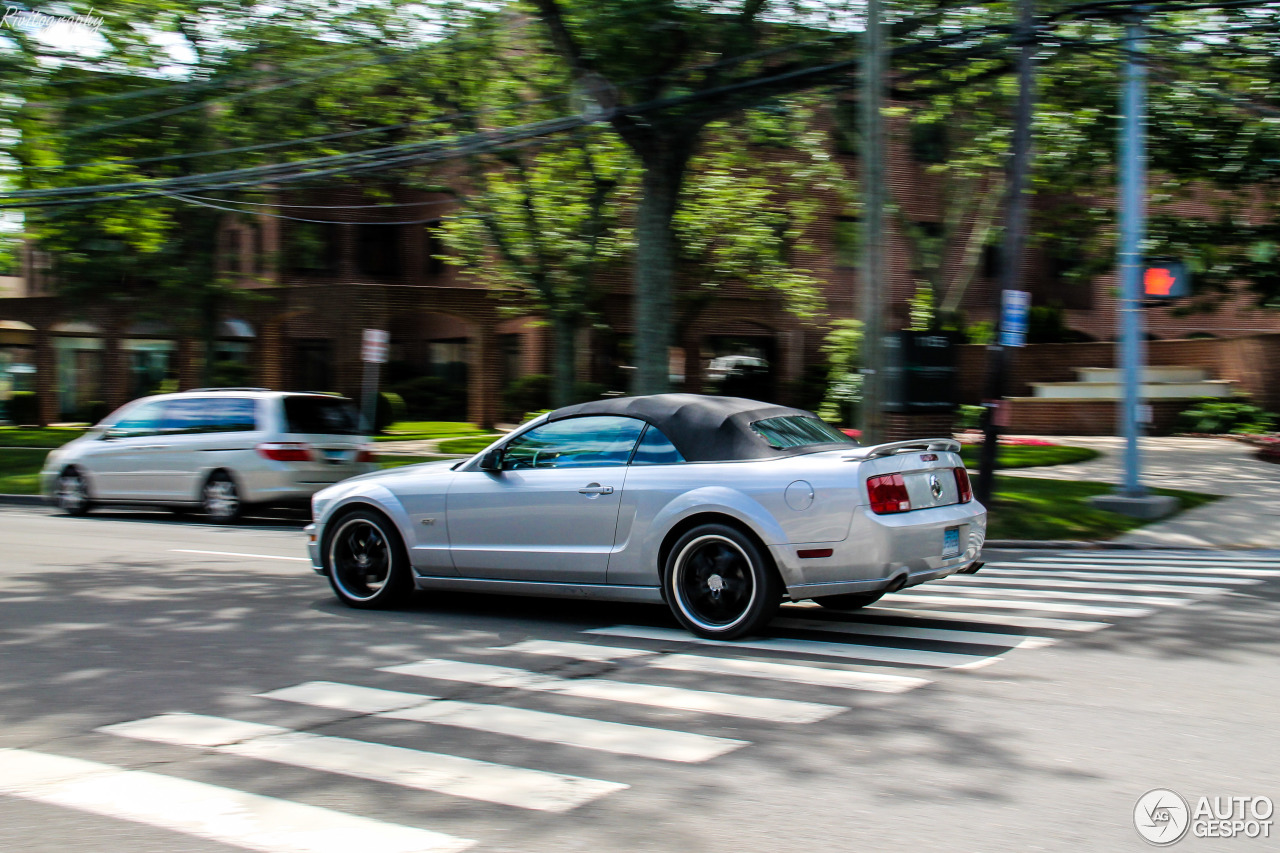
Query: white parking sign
375	346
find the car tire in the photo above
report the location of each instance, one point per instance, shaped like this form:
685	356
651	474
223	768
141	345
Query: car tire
366	561
719	583
220	499
850	601
71	494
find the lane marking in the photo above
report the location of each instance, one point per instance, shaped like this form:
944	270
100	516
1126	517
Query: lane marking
1053	594
1175	581
676	698
1008	604
885	654
1035	623
973	580
536	790
1160	568
795	673
238	554
206	811
582	732
944	635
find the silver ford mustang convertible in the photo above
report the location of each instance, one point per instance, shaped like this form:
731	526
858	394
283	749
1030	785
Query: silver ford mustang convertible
718	506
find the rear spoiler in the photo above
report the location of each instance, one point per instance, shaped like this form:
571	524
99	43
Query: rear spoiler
924	445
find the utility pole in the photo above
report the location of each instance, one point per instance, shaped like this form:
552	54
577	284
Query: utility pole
872	268
1131	497
1015	230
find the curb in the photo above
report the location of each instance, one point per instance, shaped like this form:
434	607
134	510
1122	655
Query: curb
22	500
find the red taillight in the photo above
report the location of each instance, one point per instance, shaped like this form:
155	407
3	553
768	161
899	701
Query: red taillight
962	483
366	455
888	494
285	451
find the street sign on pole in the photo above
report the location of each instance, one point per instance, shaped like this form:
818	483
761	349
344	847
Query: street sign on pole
373	351
1163	279
1015	308
374	346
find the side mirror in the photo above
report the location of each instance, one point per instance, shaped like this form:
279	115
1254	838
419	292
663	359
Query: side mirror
491	460
111	433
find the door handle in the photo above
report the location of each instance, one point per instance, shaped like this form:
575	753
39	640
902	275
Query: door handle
596	489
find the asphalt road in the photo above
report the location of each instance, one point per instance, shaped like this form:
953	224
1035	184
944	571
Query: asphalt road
1026	708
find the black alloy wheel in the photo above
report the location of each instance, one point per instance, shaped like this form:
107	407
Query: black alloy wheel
72	493
719	584
366	561
850	601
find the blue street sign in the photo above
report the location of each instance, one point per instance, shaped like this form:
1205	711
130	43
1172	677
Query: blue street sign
1015	305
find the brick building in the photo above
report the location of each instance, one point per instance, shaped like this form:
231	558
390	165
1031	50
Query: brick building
317	286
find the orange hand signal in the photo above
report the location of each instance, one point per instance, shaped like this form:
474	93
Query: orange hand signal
1158	281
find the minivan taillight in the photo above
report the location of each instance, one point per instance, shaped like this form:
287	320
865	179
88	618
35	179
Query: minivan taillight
962	483
366	455
888	494
285	451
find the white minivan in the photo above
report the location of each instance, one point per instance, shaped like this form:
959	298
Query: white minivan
217	449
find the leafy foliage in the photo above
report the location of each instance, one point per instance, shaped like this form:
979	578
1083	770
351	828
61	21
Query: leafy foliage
1215	415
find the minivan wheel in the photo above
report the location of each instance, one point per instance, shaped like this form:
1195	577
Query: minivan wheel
72	495
366	561
719	584
220	499
850	601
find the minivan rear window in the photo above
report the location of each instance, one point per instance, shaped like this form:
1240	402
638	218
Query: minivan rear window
321	415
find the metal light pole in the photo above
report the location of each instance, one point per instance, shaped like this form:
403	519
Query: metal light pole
1132	231
1015	232
872	268
1131	497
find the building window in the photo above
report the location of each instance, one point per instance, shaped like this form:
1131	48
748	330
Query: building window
433	263
847	129
846	232
378	250
929	142
311	247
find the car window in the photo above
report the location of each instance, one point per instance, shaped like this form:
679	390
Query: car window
186	415
592	442
798	431
324	415
144	419
230	414
655	449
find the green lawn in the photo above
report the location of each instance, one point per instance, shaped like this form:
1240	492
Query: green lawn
399	461
426	430
20	470
1028	455
48	437
467	445
1032	508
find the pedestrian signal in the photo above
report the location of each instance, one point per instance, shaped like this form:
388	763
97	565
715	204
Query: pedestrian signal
1166	280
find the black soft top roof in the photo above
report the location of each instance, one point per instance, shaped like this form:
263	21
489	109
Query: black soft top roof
703	428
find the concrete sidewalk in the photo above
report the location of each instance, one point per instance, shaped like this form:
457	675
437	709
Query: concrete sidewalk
1247	517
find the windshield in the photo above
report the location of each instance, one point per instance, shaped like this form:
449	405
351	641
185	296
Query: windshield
321	415
798	431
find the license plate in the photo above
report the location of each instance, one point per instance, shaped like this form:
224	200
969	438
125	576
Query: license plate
336	455
951	542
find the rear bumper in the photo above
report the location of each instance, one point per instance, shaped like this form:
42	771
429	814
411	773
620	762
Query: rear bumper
902	549
283	483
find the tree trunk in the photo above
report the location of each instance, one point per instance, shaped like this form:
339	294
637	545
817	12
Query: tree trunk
654	275
565	332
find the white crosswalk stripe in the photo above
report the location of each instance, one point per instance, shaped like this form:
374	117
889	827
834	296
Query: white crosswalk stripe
583	732
793	673
1068	584
1170	567
880	654
409	768
1046	594
211	812
1013	604
658	696
990	571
